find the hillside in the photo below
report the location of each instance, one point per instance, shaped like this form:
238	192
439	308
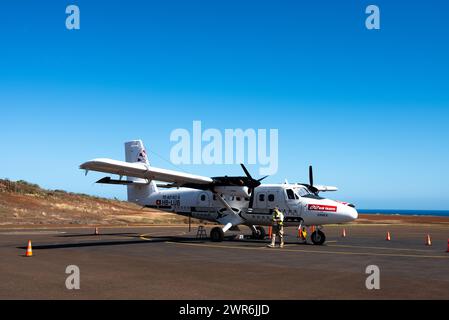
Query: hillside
25	204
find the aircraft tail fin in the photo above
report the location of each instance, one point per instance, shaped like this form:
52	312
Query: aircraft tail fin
140	189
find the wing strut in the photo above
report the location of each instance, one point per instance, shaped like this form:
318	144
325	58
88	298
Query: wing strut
229	220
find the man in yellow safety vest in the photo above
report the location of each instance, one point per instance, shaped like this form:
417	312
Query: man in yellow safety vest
278	227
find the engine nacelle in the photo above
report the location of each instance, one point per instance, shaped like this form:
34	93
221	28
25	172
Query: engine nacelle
233	191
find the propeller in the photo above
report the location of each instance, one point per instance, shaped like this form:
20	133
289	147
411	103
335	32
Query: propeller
310	185
251	183
240	181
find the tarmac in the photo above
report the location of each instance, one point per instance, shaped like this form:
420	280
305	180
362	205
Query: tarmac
169	262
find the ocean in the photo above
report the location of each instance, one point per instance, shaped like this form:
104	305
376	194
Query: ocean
438	213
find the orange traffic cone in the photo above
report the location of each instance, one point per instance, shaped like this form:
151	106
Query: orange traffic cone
428	241
97	232
388	236
29	252
343	233
270	232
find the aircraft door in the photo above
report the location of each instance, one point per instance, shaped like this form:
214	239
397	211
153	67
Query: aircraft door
291	198
293	202
273	199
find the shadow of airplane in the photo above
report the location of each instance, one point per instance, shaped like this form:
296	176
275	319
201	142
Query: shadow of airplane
152	239
100	243
125	234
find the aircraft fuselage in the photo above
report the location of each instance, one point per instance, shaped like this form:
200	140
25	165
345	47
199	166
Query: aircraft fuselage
307	209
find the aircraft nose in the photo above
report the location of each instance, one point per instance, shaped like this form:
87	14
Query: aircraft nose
352	213
348	213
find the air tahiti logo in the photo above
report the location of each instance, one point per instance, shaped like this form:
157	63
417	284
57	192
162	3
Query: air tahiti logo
142	157
320	207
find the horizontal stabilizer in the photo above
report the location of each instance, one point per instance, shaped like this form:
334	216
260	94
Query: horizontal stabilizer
108	180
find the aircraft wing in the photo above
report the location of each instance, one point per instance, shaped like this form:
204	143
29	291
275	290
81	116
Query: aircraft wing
143	171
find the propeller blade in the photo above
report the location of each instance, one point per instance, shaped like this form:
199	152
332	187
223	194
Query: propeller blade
246	171
311	176
251	182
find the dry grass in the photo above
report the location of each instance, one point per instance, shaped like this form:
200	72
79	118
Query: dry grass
26	204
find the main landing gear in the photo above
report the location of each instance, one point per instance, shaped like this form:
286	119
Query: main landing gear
216	234
259	233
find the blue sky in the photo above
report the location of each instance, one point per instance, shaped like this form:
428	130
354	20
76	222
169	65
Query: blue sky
369	109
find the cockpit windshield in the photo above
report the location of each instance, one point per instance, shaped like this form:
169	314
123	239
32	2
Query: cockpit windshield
305	192
302	192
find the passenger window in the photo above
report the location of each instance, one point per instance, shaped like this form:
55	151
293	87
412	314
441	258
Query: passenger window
261	197
238	199
271	197
290	194
203	197
215	197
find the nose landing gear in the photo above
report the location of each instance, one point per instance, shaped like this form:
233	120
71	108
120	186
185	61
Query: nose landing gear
318	237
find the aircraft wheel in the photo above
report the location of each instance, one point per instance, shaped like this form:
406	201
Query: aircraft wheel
260	234
216	234
318	237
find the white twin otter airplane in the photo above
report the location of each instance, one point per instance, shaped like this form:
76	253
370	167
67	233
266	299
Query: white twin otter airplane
230	201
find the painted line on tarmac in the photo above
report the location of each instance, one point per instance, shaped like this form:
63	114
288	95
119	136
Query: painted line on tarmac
314	251
378	248
5	228
147	236
31	233
392	225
